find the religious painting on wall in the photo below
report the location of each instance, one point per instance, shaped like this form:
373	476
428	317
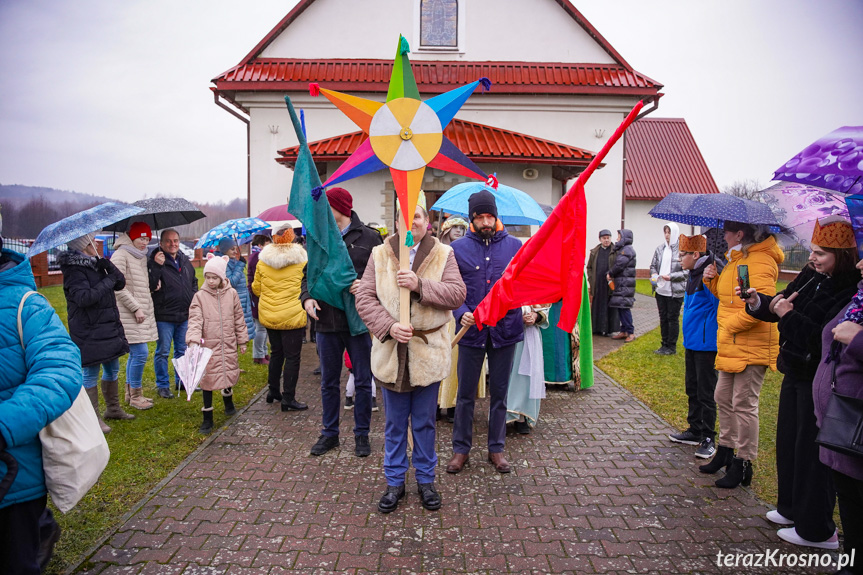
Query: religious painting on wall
439	23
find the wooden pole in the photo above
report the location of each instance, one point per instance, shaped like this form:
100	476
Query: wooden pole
404	293
459	335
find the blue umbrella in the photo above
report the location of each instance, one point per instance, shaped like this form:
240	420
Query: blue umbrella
514	207
81	223
712	210
235	229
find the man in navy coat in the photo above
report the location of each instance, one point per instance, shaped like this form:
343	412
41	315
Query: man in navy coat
482	256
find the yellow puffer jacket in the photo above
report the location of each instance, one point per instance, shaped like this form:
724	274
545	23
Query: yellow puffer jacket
743	340
278	279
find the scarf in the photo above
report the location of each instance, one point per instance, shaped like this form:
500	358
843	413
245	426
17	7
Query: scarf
140	254
853	313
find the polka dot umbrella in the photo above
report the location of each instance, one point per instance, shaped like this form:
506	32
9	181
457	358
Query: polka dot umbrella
712	210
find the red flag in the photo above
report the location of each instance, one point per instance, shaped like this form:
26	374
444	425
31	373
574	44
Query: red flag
550	265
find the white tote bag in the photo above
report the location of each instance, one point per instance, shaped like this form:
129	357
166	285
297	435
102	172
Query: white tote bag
74	450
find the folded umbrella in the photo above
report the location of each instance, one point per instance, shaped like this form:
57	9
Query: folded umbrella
77	225
160	214
514	207
835	162
237	230
191	366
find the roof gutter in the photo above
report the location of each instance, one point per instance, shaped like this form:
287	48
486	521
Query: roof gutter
654	101
219	103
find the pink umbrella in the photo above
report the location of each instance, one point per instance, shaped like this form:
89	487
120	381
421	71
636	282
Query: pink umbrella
797	206
278	216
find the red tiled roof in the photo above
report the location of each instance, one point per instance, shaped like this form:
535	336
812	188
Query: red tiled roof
436	77
479	142
662	157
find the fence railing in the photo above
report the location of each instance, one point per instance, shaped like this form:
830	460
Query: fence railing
22	246
796	258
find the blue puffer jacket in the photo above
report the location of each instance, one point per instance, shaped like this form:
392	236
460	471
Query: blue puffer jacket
236	274
699	309
481	264
36	389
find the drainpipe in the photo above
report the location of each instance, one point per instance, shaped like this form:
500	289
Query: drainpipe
623	191
219	103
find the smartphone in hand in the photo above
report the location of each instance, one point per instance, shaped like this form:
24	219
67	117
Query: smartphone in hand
743	280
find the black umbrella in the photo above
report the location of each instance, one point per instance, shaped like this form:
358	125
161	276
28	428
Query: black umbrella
161	213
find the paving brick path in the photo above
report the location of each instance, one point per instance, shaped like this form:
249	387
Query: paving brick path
596	488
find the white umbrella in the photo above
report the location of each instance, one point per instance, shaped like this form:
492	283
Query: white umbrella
191	366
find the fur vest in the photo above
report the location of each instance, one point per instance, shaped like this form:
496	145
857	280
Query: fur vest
428	361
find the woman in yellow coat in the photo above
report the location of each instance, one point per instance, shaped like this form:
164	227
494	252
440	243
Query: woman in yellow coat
746	347
277	283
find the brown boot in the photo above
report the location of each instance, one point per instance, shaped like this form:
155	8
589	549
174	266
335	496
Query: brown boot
128	396
138	400
630	338
93	394
500	463
112	401
457	463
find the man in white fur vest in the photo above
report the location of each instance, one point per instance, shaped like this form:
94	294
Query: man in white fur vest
409	361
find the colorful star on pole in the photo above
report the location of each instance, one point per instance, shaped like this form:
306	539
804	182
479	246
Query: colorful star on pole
405	134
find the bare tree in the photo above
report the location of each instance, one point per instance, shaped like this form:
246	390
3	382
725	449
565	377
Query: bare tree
747	189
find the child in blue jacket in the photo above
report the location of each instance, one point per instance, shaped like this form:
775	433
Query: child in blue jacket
699	342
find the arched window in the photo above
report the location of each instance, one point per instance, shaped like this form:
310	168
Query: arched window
439	23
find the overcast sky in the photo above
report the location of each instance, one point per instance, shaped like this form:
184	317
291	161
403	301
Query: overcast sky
112	98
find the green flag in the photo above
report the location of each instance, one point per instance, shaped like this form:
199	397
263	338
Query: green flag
585	338
330	272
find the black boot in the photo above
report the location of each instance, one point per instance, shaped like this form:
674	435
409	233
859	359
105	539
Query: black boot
724	456
739	474
274	395
228	398
207	426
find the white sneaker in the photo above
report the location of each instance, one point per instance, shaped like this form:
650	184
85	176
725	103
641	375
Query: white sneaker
790	534
777	518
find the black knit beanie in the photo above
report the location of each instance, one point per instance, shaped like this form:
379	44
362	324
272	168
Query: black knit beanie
482	202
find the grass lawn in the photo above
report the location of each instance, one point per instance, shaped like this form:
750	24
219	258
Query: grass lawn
143	452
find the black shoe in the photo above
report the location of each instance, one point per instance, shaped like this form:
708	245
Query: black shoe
724	456
49	534
349	403
450	415
687	437
522	427
361	446
207	425
317	371
740	473
660	351
390	499
229	405
273	396
374	404
165	392
293	405
324	444
429	497
707	448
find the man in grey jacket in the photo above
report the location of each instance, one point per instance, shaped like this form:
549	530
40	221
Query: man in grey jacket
669	286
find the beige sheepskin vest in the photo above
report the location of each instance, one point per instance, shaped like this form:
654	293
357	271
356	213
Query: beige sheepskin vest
427	362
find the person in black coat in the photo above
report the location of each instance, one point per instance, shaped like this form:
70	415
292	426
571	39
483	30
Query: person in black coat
173	284
333	335
89	283
622	273
822	289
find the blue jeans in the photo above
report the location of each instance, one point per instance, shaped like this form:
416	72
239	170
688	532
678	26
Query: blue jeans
625	315
259	344
110	372
138	353
167	332
331	349
420	406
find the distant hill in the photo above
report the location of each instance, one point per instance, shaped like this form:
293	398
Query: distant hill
18	194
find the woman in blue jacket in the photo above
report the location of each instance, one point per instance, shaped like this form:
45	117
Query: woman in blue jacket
38	382
236	274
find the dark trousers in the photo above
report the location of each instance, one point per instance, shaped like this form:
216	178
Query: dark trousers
286	346
850	492
625	315
806	492
331	349
417	406
669	319
700	384
20	537
470	360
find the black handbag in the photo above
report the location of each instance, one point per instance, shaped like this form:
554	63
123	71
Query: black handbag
842	422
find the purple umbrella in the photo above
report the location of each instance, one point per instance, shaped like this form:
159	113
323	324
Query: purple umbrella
797	206
834	162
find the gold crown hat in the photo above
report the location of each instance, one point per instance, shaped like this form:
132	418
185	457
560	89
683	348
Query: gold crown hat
692	244
834	233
